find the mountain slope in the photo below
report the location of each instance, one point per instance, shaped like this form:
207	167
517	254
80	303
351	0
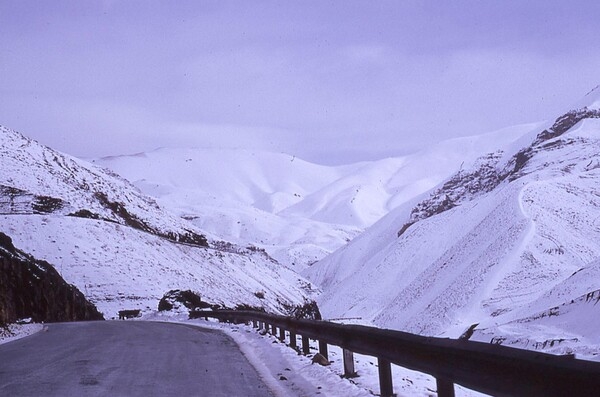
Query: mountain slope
299	212
569	327
487	246
117	245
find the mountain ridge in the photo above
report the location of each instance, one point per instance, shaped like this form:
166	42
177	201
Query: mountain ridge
297	211
487	246
118	245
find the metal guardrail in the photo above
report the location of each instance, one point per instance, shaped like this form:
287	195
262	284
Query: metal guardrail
487	368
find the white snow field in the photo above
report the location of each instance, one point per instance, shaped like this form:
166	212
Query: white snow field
511	244
117	245
297	211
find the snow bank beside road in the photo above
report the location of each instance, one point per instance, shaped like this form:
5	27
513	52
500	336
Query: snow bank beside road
289	374
18	331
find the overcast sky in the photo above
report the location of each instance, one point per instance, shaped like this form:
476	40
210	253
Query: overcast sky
328	81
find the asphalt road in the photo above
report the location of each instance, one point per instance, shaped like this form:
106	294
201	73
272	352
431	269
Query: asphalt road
127	358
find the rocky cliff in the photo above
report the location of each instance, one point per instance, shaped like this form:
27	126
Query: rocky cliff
30	288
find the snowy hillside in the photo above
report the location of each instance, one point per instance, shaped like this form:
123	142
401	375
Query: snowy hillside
498	244
297	211
117	245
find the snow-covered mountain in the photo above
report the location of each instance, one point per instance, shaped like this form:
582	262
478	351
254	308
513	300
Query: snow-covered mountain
499	230
510	243
297	211
119	246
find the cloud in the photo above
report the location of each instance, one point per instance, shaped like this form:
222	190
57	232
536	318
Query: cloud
321	80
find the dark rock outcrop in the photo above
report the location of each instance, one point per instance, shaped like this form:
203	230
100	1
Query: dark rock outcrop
309	311
31	288
175	298
119	209
462	186
561	125
18	201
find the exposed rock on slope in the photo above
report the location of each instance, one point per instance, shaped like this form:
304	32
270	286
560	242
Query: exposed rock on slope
487	173
30	288
174	299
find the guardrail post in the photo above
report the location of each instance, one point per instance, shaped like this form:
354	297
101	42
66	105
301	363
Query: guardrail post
282	334
385	378
305	344
349	371
254	324
293	340
323	349
445	387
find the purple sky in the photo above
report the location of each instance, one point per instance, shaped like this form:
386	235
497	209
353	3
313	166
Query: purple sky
328	81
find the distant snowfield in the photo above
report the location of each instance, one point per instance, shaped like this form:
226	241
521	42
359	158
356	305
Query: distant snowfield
298	211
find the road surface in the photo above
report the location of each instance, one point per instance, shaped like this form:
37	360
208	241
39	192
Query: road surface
127	358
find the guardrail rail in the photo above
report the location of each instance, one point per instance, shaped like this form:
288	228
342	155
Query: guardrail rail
484	367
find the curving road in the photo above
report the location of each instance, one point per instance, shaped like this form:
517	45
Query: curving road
127	358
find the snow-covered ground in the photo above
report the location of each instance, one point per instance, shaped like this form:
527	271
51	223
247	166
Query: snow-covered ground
299	212
13	332
498	245
509	241
118	267
118	246
290	374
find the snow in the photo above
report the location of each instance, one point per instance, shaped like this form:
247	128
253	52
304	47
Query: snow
516	250
497	258
117	266
274	359
298	211
41	171
14	332
587	128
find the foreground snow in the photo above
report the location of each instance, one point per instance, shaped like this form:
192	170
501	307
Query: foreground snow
14	332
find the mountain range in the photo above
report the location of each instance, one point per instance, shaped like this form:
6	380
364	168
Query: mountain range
493	237
299	212
118	246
